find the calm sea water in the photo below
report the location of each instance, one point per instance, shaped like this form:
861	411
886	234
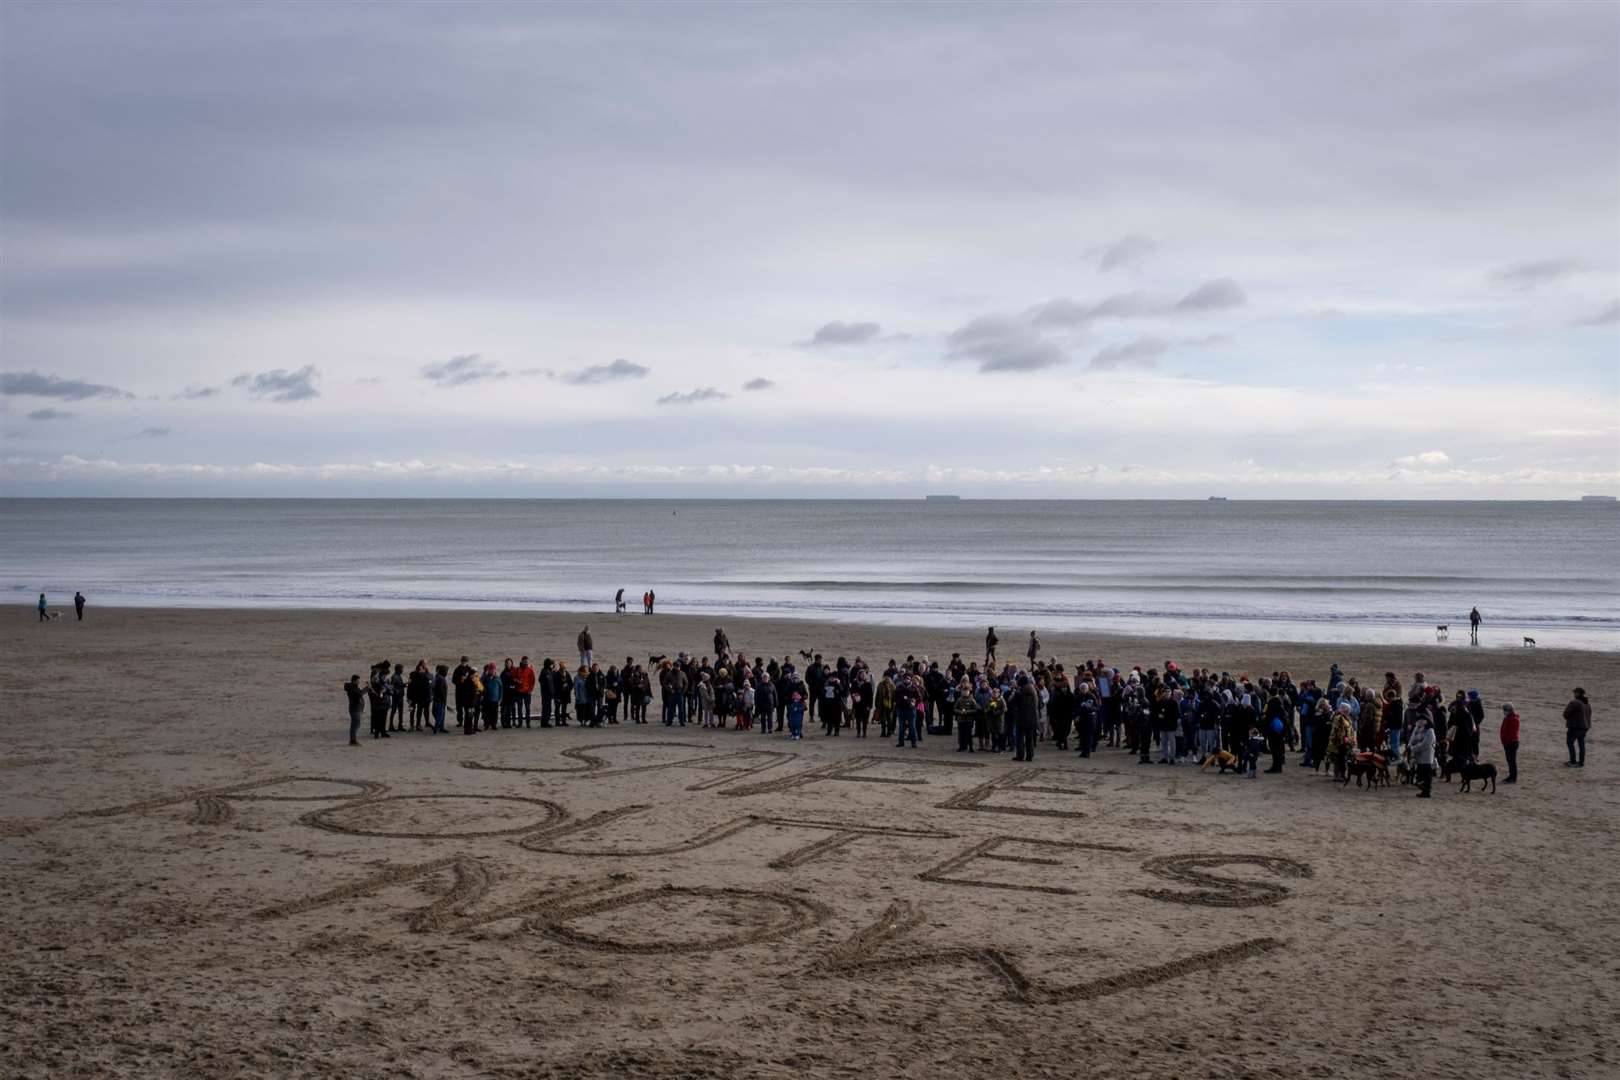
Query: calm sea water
1319	571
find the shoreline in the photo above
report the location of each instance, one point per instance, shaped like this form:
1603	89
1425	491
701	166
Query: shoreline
1510	637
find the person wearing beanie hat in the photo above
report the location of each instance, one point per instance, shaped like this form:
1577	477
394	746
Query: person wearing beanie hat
1510	742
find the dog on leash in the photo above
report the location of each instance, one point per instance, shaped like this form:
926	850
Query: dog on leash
1442	632
1529	642
1483	771
1373	767
1407	773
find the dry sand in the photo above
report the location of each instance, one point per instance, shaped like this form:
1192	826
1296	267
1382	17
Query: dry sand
202	880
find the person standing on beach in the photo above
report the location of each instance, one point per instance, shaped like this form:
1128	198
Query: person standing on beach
722	646
1422	747
43	617
357	707
1021	711
525	679
618	601
1473	626
1577	722
584	643
377	692
78	605
990	643
396	698
1034	649
441	697
1510	742
652	599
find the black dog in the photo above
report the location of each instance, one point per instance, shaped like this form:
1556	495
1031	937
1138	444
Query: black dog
654	661
1483	771
807	654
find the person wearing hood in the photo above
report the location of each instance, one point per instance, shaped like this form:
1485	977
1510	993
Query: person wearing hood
1577	722
1510	742
1021	714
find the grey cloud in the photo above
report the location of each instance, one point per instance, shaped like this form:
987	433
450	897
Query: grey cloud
1126	252
843	333
1609	316
601	373
281	384
1535	273
151	433
1210	296
1214	295
196	393
463	369
35	384
702	393
1206	341
1069	313
51	414
1004	343
1144	352
760	383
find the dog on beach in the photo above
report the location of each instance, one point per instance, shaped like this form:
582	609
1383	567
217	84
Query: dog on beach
654	661
1442	632
1407	773
807	654
53	616
1225	759
1373	767
1483	771
1529	642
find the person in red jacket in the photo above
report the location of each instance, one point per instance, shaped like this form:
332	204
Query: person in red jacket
1510	743
523	680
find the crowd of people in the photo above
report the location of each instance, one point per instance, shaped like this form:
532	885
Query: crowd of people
1163	714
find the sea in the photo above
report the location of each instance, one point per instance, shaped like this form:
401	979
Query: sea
1371	572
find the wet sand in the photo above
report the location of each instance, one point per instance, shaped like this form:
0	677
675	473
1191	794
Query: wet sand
203	880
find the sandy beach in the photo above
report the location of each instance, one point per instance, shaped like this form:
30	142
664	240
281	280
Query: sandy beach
203	880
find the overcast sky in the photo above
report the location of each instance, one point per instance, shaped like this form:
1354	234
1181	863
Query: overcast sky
1343	250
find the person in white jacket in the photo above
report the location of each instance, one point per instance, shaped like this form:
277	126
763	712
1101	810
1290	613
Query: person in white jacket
1422	750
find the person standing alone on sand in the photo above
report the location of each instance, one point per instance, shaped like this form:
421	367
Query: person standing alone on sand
78	605
1510	743
1473	626
990	643
1577	722
1034	649
584	643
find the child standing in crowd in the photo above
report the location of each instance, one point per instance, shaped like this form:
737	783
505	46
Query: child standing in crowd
795	718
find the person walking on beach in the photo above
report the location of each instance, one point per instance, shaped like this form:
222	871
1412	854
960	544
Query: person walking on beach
584	643
1577	722
78	605
357	707
1473	626
1510	742
43	617
990	643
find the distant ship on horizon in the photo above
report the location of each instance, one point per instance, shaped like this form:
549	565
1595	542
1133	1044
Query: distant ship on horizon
1217	498
1597	498
942	498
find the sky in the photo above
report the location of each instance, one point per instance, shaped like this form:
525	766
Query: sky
1016	250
